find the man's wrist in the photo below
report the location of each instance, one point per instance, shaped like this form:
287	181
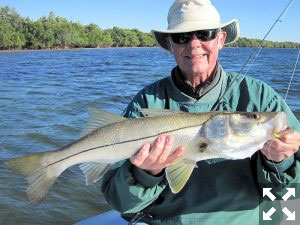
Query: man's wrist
145	178
281	166
155	173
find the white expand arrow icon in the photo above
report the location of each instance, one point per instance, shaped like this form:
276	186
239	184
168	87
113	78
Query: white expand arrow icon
291	191
267	191
267	215
290	216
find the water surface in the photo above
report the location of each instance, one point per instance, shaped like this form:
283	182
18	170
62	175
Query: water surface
44	101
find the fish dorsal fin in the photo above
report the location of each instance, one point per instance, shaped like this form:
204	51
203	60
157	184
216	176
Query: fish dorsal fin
99	118
93	171
156	112
179	173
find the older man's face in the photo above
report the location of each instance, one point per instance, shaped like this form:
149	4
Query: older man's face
197	58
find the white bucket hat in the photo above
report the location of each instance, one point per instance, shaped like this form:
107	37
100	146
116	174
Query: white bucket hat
192	15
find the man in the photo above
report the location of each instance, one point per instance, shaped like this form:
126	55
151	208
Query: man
219	191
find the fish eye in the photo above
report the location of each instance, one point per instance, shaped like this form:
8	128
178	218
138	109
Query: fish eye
252	116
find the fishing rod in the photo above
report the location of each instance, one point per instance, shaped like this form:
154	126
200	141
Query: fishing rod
256	52
294	70
261	44
253	56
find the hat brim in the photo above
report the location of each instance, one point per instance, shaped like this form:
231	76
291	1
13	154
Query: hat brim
231	28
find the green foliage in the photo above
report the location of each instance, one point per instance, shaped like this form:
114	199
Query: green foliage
124	37
145	39
10	22
17	32
57	32
245	42
97	37
11	16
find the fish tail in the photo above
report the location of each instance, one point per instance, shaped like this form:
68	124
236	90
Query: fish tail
40	177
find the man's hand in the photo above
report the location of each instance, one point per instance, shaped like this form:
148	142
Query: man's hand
283	147
153	158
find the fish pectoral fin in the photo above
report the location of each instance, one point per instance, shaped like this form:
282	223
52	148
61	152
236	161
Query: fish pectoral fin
93	171
99	118
156	112
179	173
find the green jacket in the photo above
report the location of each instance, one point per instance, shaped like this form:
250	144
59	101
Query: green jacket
219	191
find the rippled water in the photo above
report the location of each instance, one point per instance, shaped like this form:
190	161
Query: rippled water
44	100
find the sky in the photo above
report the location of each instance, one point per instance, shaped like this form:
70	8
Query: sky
256	16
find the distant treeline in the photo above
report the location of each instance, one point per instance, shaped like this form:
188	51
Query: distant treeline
55	32
246	42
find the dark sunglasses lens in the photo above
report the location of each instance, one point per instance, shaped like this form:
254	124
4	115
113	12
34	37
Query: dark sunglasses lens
202	35
181	38
206	35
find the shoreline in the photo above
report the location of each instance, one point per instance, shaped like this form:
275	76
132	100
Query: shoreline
100	48
65	49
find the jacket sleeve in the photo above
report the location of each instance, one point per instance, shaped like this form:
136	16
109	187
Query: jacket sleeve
129	189
287	172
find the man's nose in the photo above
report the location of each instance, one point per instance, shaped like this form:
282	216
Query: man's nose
195	42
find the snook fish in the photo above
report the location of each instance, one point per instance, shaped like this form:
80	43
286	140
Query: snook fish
110	138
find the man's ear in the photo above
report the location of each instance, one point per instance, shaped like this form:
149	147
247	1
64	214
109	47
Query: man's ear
221	39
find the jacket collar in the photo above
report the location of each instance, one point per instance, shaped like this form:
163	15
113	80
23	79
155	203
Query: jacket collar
184	85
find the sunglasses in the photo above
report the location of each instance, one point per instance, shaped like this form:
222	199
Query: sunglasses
202	35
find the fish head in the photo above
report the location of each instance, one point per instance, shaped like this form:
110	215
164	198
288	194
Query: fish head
255	124
231	135
240	134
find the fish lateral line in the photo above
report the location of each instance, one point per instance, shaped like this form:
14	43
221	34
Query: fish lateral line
118	143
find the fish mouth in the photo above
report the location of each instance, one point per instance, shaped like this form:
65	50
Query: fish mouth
280	123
